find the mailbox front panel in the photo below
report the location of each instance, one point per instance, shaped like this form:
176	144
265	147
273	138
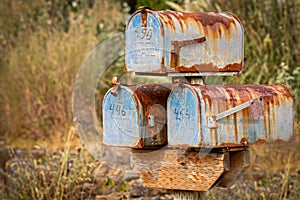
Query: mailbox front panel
144	44
183	117
120	118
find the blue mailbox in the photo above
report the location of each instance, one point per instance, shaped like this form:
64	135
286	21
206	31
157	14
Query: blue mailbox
229	115
135	116
163	42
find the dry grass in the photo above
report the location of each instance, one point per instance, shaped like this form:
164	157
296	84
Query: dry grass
37	78
274	173
56	175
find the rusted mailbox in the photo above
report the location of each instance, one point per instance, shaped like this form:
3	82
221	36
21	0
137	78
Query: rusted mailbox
135	116
184	42
229	115
205	130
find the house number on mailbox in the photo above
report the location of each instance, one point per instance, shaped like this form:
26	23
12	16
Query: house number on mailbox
117	111
143	34
182	113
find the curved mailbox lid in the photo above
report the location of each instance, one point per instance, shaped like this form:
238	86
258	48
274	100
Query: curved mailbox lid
135	116
184	42
275	122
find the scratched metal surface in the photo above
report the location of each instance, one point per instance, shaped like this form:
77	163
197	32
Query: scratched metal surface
135	116
185	42
189	107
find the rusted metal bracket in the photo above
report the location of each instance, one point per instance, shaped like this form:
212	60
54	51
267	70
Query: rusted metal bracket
114	89
177	45
256	104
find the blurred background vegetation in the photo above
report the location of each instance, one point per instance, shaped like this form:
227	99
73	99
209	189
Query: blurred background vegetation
43	43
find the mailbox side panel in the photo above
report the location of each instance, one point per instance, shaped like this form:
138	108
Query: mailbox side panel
242	126
202	42
120	118
232	129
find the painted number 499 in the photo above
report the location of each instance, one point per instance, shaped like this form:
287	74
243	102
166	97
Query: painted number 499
143	34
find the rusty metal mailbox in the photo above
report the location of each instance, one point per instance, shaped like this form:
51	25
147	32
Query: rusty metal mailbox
184	42
205	130
135	116
229	115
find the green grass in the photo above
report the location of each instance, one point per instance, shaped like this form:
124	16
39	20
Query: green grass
272	45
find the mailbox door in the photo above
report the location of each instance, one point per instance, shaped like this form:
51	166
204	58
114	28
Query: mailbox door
120	118
144	45
184	117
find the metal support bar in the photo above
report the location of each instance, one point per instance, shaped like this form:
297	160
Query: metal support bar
211	122
235	109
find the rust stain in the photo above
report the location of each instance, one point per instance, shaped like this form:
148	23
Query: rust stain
214	26
166	17
273	95
144	18
153	101
177	45
162	64
283	90
216	23
153	72
150	94
277	141
233	67
274	123
140	144
244	141
232	93
230	144
209	67
204	18
269	120
162	32
235	127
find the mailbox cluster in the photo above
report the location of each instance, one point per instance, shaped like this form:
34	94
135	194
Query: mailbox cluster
168	117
